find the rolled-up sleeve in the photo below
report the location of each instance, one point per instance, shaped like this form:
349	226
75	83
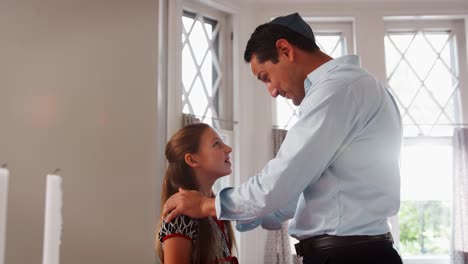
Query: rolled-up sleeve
271	221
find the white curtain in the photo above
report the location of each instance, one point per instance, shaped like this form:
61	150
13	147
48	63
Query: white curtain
277	246
460	197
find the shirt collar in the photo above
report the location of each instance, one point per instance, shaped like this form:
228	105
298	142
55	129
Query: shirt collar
328	66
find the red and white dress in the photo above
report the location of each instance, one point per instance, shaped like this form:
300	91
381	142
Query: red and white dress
187	227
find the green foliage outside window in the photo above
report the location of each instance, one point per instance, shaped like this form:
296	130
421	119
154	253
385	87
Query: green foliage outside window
425	227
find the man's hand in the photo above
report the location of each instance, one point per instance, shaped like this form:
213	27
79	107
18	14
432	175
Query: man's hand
190	203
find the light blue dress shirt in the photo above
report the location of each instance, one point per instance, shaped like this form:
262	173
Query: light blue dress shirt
337	171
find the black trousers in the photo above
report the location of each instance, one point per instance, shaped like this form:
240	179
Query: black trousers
381	252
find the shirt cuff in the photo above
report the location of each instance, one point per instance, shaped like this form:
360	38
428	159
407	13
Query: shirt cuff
243	226
271	222
218	204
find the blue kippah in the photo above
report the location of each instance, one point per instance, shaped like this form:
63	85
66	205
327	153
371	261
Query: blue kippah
296	23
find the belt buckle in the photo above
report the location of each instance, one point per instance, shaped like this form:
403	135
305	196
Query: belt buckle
298	250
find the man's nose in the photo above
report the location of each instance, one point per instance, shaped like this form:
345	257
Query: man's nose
273	91
228	149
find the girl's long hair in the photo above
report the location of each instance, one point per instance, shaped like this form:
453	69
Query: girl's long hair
180	175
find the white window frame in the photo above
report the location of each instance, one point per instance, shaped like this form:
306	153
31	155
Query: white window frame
226	12
174	93
342	26
416	24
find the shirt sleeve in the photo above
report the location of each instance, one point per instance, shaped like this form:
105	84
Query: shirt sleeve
181	226
271	221
327	117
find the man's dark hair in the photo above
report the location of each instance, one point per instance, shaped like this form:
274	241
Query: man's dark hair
262	42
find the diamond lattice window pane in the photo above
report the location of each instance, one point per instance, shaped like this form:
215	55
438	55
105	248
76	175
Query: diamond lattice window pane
437	40
450	111
201	70
187	22
424	80
439	83
401	41
446	56
198	42
217	73
338	52
207	73
198	95
331	44
405	83
393	55
189	70
423	108
421	56
285	111
186	109
209	30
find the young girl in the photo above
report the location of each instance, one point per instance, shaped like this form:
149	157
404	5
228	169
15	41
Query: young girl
197	158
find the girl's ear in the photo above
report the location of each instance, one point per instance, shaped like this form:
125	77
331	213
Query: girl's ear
189	159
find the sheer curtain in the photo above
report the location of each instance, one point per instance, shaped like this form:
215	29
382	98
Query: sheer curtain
277	246
460	197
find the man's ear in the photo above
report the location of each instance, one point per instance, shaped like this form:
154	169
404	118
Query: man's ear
285	48
189	159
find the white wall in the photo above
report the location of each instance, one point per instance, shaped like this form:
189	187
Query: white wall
77	92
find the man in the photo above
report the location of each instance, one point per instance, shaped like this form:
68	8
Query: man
337	172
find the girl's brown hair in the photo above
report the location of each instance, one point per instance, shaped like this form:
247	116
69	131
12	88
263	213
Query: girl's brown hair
180	175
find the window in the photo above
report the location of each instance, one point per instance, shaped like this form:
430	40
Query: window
206	91
422	73
201	69
425	213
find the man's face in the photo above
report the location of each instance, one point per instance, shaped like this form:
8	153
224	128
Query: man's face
281	78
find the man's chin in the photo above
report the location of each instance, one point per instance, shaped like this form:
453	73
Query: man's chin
297	101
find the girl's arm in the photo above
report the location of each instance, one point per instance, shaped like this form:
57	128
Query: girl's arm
177	250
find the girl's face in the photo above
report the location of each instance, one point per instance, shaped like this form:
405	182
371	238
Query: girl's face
212	158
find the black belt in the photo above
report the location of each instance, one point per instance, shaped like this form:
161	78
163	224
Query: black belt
323	242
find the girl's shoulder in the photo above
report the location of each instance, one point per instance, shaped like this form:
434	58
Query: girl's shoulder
182	226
